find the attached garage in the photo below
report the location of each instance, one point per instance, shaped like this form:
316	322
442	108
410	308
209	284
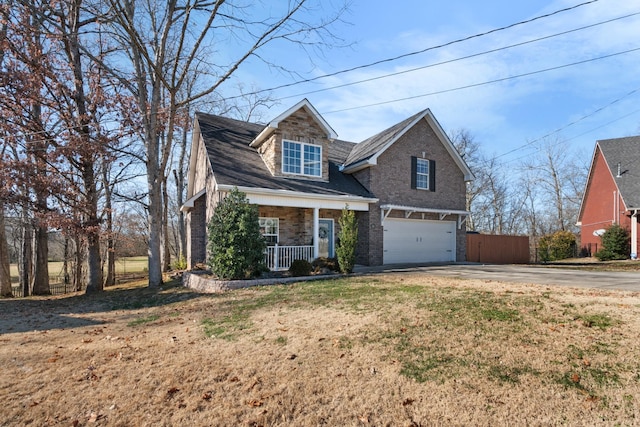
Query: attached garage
416	241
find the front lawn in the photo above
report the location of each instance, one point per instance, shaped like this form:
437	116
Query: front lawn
389	349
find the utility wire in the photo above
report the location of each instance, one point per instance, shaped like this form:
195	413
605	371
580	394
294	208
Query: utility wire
457	59
406	55
483	83
576	136
594	112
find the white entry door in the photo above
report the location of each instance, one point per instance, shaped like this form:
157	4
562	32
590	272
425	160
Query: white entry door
414	241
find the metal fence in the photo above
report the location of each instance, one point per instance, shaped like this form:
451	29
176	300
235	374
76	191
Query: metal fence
57	286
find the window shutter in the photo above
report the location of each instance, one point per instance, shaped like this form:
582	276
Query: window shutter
414	169
432	175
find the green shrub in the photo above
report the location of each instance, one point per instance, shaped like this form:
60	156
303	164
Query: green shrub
300	267
556	246
180	263
348	239
235	245
615	244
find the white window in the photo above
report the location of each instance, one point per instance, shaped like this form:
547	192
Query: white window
301	159
270	230
422	174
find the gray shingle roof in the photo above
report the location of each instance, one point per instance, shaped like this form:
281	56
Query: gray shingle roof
370	146
235	163
625	151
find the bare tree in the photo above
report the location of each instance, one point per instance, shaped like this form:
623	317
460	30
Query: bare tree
470	152
165	41
5	274
559	178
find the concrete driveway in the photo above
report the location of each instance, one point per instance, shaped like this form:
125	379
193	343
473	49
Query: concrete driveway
627	281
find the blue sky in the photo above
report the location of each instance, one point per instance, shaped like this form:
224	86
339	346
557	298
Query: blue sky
504	116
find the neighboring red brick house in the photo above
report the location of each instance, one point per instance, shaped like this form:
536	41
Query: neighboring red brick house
406	184
612	194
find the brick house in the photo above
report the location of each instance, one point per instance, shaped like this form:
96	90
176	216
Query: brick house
612	193
406	185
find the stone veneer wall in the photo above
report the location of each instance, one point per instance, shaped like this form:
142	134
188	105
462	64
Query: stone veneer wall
202	283
301	127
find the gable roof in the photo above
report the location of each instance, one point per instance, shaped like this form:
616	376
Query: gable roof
304	104
366	153
236	164
626	152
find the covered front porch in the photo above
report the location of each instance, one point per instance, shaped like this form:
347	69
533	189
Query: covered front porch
300	225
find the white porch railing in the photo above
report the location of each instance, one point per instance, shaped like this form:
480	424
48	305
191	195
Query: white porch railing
280	257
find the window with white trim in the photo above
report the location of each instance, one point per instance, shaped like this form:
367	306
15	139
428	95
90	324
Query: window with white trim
270	230
422	174
301	159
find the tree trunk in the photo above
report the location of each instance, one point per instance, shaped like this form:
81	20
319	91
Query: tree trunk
65	262
88	157
38	151
41	273
166	242
26	253
78	274
111	250
92	230
5	273
111	262
180	188
155	231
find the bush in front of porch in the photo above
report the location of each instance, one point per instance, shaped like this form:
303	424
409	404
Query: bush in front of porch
347	240
236	246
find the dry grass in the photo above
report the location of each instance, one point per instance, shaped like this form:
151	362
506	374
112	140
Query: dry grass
396	349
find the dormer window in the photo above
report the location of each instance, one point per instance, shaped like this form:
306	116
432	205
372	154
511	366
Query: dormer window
299	158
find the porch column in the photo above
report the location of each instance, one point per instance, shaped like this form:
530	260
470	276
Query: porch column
634	234
316	232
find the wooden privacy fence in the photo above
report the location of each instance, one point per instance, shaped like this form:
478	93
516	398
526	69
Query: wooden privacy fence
494	249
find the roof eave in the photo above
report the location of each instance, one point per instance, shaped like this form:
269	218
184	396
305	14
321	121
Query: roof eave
342	199
273	125
268	130
358	166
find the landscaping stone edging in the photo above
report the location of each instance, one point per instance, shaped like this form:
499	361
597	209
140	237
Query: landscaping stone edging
199	283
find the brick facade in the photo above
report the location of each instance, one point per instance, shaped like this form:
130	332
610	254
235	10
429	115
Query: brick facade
602	206
390	181
197	233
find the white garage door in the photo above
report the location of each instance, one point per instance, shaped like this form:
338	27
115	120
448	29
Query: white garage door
410	240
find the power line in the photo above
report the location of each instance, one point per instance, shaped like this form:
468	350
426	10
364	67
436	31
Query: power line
617	119
594	112
483	83
406	55
457	59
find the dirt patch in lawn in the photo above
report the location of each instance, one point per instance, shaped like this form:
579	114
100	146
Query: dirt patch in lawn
388	349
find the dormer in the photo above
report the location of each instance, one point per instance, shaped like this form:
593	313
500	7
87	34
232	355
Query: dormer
296	143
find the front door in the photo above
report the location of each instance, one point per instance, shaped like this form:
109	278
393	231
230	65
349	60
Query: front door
325	238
